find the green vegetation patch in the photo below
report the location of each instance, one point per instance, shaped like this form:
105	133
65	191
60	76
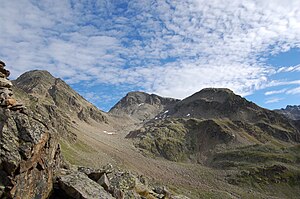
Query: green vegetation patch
258	154
182	139
166	140
274	174
72	151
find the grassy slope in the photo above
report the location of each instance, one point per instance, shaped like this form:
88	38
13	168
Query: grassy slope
251	164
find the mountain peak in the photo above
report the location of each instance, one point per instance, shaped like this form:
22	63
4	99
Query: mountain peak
136	97
224	90
219	95
214	103
141	106
53	95
291	111
36	74
293	107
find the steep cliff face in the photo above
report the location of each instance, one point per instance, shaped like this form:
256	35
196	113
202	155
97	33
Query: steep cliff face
29	156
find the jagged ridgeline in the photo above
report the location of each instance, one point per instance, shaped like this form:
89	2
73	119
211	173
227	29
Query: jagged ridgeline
292	112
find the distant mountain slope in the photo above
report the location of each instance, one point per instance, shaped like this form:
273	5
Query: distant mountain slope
292	112
212	103
142	106
210	120
55	102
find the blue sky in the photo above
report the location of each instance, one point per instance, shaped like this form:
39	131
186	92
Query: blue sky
105	49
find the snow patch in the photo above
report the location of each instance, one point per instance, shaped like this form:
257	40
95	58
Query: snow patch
141	104
188	115
109	133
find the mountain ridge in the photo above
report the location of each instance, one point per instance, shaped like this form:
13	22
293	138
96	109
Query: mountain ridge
141	106
290	111
224	132
215	113
51	99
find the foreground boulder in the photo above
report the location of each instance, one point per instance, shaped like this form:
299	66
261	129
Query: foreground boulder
29	156
77	185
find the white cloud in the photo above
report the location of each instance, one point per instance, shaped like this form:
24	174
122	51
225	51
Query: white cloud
275	92
294	91
289	69
273	100
283	83
211	44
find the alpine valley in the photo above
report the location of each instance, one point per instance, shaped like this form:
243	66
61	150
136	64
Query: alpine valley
212	144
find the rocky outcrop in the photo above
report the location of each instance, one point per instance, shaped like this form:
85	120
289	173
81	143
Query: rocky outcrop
183	139
6	95
29	156
30	153
77	185
108	182
292	112
142	106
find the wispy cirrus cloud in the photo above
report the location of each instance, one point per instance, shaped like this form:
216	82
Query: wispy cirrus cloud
273	100
275	92
172	48
289	69
294	91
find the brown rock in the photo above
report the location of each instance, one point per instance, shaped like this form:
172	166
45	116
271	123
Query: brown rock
18	107
94	174
117	193
77	185
104	182
5	83
4	71
5	93
10	102
2	75
29	156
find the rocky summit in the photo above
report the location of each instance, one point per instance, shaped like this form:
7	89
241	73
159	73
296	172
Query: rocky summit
141	106
292	112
